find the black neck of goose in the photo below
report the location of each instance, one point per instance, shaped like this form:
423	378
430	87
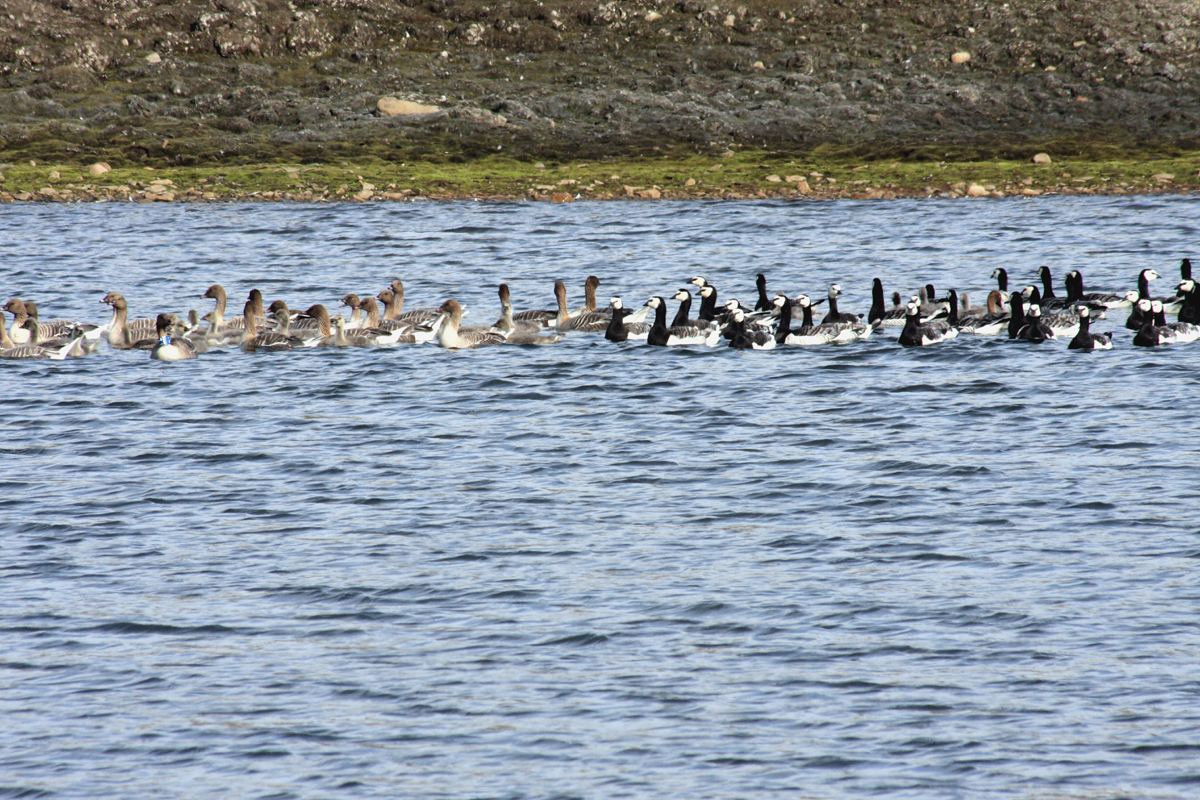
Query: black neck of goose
910	326
1143	285
1185	269
833	310
1160	318
1017	320
617	325
1074	287
660	314
681	316
785	321
876	302
1002	279
708	307
1085	325
807	322
764	304
952	299
1047	285
1035	297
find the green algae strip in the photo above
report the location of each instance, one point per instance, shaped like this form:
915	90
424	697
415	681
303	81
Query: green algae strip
746	174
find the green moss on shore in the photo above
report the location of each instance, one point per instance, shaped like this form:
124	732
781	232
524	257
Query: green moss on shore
672	174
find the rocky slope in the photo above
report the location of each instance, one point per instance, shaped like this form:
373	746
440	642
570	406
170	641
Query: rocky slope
191	81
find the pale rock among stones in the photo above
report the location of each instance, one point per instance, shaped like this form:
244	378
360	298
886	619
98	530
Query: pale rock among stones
774	178
975	190
1042	158
154	58
961	57
99	168
394	107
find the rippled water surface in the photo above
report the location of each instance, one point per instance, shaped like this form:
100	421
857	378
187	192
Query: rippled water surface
595	570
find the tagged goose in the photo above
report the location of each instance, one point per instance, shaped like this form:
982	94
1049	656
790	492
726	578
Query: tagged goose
621	329
918	334
1085	339
449	336
168	349
663	336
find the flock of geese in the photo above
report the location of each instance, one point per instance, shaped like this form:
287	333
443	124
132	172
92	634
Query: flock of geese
1031	315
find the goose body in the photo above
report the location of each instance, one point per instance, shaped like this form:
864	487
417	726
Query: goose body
449	336
1085	339
168	349
620	329
991	322
660	335
918	334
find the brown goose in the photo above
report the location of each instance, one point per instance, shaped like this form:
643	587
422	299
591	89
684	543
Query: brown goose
229	326
124	333
395	307
449	336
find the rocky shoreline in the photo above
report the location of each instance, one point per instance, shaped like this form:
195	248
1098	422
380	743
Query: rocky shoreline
196	83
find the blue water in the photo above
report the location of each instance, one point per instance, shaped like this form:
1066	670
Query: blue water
595	570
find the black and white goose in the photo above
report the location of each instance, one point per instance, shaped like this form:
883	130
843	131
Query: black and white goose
1135	319
1085	339
881	316
918	334
663	336
834	315
1189	311
622	330
1064	322
749	335
1147	334
764	302
1172	332
1050	302
1107	299
1001	276
809	334
1035	331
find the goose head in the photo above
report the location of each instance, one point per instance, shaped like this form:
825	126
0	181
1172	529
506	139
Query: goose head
698	281
834	291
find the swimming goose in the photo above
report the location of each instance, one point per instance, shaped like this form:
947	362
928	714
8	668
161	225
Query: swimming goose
124	333
1050	301
232	326
10	349
357	338
621	329
1172	332
1085	339
685	306
168	349
708	304
1190	310
834	315
280	338
764	303
390	331
589	298
662	336
1147	334
417	316
1134	321
507	323
881	317
749	335
1076	294
918	334
990	323
61	328
1001	276
1035	331
810	334
1064	322
449	336
547	317
523	332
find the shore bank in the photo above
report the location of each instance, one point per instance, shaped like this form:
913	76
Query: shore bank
747	174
